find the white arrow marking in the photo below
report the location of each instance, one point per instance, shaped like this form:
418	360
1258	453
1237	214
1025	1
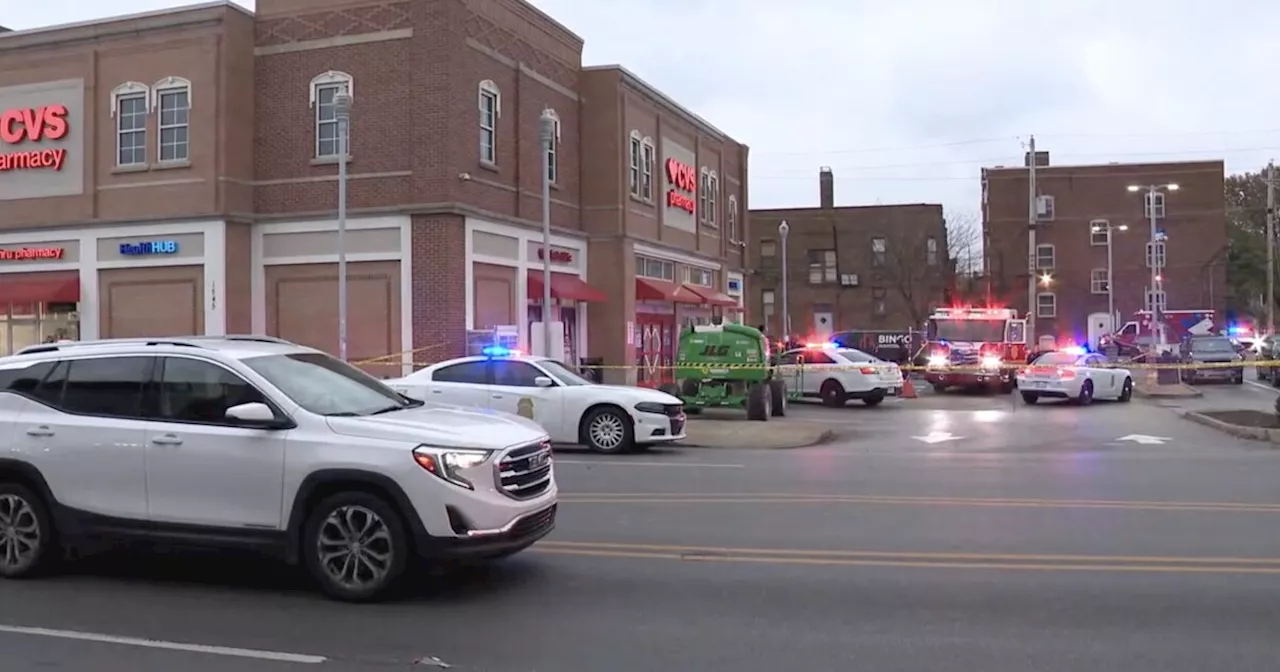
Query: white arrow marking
1144	439
937	437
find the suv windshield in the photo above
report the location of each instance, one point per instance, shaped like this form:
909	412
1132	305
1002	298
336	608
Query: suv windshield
1212	345
326	386
563	374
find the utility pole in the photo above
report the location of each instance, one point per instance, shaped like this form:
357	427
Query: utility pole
1271	247
1033	215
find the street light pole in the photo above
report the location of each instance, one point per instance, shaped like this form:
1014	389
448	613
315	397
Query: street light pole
547	128
1111	287
1157	265
342	112
783	230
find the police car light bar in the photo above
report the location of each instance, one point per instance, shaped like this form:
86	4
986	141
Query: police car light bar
499	351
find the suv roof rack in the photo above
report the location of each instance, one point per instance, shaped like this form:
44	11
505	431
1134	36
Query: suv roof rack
187	341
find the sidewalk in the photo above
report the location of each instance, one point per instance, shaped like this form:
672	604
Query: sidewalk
1146	386
775	434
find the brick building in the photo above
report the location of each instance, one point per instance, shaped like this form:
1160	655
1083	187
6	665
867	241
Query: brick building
848	267
1077	206
189	158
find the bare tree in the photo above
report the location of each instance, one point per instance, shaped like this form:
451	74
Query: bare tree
916	267
964	243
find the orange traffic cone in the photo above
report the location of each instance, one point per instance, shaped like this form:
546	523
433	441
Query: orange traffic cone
908	390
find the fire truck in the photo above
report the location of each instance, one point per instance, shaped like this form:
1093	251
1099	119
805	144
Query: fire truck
974	348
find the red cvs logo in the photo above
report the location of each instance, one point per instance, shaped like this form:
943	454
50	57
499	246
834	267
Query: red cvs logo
681	176
34	124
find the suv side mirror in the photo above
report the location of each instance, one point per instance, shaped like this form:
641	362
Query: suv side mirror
256	415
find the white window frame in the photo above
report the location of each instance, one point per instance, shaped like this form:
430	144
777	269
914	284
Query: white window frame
648	156
553	153
732	219
879	252
1157	254
1040	255
1153	201
167	87
1046	310
130	91
704	186
931	251
1104	230
667	272
713	200
772	246
1161	298
1050	209
826	270
767	297
1099	279
488	103
634	154
702	277
343	83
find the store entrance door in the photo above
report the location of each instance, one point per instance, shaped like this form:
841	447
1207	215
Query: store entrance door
655	349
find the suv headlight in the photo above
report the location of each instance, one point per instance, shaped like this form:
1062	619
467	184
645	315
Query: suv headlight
651	407
451	464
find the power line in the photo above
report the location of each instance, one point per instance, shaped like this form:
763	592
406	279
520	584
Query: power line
1052	173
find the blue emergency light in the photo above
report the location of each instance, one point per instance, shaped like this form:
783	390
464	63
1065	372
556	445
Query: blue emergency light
499	351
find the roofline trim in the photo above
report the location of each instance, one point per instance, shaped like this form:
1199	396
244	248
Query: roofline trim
1142	165
49	35
634	81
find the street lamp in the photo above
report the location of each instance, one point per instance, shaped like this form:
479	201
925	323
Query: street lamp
1111	292
547	129
783	230
1157	240
342	113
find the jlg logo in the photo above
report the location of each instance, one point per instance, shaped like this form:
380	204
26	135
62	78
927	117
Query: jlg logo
682	177
34	124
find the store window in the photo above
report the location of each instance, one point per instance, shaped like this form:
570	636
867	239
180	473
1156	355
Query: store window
655	268
24	325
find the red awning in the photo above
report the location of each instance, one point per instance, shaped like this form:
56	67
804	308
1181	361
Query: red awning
565	287
649	289
711	297
28	288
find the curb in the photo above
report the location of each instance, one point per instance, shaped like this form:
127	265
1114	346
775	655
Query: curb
1188	393
1238	431
827	436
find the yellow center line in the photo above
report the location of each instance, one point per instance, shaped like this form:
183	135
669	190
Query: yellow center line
685	550
845	562
751	498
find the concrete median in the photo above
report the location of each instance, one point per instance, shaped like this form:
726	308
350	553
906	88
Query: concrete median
776	434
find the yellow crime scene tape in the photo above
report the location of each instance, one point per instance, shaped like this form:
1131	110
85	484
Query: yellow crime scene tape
1133	366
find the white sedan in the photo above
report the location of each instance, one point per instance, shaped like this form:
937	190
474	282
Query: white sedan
836	374
573	410
1076	375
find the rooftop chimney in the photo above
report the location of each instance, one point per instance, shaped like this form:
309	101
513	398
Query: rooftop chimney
1042	159
826	188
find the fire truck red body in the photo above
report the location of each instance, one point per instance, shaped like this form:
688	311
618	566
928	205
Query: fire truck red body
974	347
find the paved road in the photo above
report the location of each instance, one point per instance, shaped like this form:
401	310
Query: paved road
1008	538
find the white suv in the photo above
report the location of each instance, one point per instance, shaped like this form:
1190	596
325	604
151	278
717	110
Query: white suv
255	443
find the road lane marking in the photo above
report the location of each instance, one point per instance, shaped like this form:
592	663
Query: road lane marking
917	564
777	498
275	656
623	463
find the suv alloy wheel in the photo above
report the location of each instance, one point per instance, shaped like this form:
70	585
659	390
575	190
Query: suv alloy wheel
355	546
25	533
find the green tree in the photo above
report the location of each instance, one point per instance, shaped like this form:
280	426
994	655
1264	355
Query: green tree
1246	200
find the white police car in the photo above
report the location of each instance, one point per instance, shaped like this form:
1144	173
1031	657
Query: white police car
573	410
836	374
1074	374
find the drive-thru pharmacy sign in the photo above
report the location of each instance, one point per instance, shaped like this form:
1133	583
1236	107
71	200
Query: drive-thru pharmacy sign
20	128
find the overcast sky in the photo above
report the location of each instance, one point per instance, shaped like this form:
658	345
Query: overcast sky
906	100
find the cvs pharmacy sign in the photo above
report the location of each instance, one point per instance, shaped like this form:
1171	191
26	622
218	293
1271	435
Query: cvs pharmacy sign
683	180
21	127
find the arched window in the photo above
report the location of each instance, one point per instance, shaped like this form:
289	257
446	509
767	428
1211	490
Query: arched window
324	89
171	97
130	104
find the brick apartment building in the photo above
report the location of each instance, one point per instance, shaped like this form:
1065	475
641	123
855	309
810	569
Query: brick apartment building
848	267
1077	205
189	159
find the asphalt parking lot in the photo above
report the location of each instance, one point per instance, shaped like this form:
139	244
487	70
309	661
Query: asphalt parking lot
948	532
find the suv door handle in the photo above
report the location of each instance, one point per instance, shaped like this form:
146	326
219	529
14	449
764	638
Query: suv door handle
167	440
496	396
42	430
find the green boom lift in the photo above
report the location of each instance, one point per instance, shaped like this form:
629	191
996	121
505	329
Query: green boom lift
727	366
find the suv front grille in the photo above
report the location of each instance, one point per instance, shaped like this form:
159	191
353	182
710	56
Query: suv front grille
525	472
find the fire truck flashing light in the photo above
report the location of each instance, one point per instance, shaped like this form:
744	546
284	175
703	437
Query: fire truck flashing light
975	314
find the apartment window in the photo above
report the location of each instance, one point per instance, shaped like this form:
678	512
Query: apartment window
173	100
931	251
647	155
699	276
713	199
768	252
637	143
733	219
1045	208
1153	205
879	302
879	250
822	266
553	168
324	88
490	101
767	301
704	189
1045	257
1156	255
1046	304
129	105
656	269
1099	281
1157	300
1099	232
